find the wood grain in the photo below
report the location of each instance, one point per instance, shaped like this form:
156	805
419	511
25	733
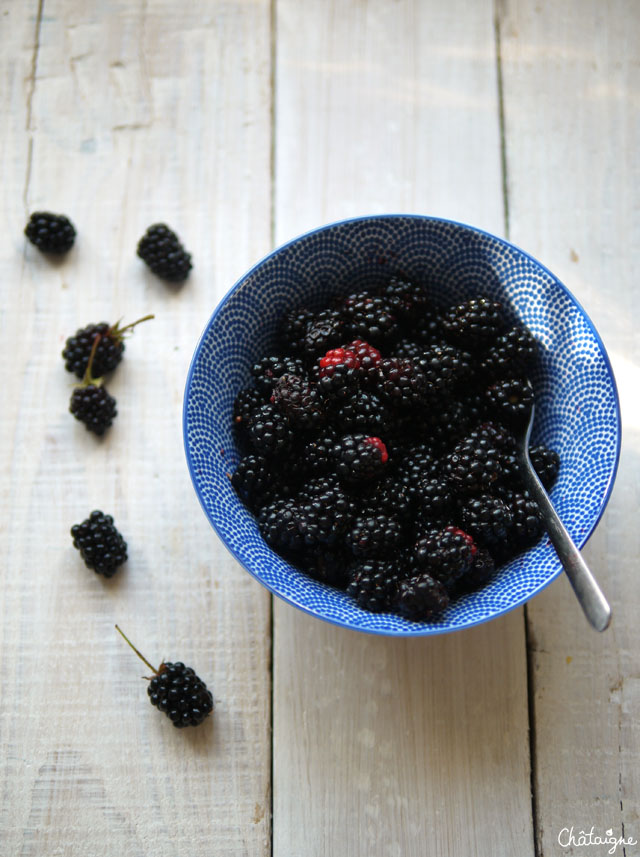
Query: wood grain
571	83
121	115
381	746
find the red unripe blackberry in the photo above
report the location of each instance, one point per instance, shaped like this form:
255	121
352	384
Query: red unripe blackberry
162	252
338	372
50	233
177	691
100	544
109	352
445	555
358	458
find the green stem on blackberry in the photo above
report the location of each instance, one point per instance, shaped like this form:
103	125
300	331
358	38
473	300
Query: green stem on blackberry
88	378
139	654
116	332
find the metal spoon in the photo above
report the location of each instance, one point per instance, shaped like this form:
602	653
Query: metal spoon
589	594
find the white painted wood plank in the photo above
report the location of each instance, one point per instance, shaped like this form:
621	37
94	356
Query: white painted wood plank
571	83
386	747
140	112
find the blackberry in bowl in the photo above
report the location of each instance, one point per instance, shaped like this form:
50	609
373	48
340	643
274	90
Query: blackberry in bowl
405	337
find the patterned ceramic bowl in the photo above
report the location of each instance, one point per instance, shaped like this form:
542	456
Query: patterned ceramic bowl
577	410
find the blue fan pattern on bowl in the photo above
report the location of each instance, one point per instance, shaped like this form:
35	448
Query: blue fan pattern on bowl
577	410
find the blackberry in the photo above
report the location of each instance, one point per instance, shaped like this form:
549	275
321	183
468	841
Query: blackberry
282	525
376	535
444	366
162	252
300	401
245	403
369	317
474	323
416	463
511	398
326	331
504	442
387	496
90	401
368	358
473	465
408	348
434	497
50	233
176	690
338	372
108	353
526	522
447	424
268	369
546	463
513	352
402	382
327	565
100	544
361	410
445	555
269	430
487	518
316	455
480	573
357	458
294	327
420	598
253	481
326	511
405	298
373	583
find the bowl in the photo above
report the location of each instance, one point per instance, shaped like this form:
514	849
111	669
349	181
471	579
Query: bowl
577	408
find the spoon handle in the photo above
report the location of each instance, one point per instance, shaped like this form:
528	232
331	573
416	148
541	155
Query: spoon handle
589	594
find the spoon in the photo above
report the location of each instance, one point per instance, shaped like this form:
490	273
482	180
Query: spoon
584	584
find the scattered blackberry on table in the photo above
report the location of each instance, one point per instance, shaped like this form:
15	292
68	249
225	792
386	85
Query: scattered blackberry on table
267	370
546	463
445	555
90	401
473	323
358	458
420	598
510	398
176	690
100	544
108	353
50	233
373	583
162	252
300	401
269	430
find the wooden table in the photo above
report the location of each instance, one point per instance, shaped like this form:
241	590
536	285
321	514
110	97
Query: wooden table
241	124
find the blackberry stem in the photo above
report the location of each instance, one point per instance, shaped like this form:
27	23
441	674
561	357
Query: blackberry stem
139	654
88	378
117	331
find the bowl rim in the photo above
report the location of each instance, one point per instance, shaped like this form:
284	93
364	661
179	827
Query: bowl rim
420	630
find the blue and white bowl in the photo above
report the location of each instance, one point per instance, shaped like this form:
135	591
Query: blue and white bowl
577	409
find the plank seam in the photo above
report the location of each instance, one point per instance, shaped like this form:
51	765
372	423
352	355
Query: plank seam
31	88
537	850
497	30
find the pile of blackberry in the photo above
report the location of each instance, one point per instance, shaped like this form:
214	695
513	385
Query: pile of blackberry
377	446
